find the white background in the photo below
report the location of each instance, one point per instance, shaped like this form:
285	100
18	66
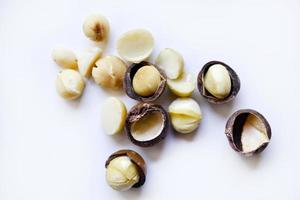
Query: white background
51	149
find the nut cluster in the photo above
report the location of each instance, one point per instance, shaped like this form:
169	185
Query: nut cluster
147	123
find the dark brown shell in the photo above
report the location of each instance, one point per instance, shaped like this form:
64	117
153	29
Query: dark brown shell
136	113
235	84
131	70
234	127
136	158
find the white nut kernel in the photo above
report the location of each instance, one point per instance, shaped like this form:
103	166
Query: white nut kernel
217	81
96	27
171	62
69	84
185	115
109	72
135	45
146	81
65	58
122	173
183	86
87	60
113	115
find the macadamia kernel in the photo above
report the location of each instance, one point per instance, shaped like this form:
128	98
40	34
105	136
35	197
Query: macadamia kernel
135	45
171	62
185	115
113	115
122	173
96	27
146	81
65	58
183	86
69	84
109	72
87	60
217	81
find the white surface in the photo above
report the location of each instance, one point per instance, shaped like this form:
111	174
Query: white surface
54	149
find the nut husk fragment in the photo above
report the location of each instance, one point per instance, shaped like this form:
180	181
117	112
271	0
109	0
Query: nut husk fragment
251	122
136	158
140	112
235	84
131	70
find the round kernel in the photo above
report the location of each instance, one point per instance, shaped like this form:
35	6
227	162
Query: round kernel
146	81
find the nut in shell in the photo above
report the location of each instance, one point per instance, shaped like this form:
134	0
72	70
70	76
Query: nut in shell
147	84
248	132
146	124
218	83
125	169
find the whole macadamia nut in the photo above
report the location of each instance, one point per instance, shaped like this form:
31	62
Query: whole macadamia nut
109	72
96	27
146	81
69	84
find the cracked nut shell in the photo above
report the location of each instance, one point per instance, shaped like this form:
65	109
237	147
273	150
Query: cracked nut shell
136	158
248	132
235	84
146	124
128	83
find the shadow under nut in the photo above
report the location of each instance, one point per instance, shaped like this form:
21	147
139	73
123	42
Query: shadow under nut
235	84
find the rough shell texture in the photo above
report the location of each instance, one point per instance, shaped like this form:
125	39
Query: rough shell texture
234	128
136	158
136	113
235	84
131	70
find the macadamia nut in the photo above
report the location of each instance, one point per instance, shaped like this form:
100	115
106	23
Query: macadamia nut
171	62
146	80
87	60
69	84
109	72
183	86
122	173
217	81
135	45
96	27
113	115
185	115
65	58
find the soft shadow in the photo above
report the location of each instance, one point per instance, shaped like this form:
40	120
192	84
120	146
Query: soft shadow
188	136
75	103
252	161
117	92
121	138
223	109
154	152
133	193
102	45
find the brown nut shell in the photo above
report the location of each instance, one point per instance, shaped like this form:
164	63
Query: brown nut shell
235	84
236	125
139	112
131	70
136	158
